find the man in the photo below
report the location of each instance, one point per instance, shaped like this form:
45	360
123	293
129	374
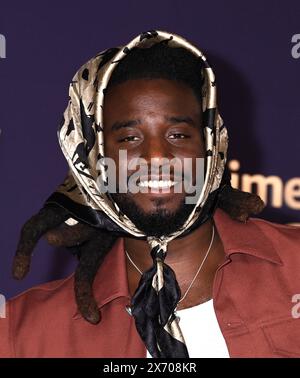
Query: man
170	278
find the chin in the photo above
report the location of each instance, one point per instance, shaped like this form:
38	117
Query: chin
157	203
154	216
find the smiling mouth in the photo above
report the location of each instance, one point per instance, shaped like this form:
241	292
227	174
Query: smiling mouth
158	187
156	184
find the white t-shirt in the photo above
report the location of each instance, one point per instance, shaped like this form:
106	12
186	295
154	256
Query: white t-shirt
201	332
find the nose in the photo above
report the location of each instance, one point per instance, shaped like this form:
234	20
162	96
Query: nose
160	158
157	149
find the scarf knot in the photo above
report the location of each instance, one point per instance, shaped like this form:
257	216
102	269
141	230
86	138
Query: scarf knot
153	305
158	254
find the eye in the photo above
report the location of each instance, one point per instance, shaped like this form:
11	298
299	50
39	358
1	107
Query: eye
129	138
179	136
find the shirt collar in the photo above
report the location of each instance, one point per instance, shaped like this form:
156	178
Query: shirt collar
111	281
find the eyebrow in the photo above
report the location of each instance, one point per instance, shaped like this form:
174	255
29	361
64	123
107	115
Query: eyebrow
135	122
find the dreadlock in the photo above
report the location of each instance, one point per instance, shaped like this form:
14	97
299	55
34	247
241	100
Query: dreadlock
92	244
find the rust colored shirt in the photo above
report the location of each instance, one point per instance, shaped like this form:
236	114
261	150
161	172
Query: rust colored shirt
254	299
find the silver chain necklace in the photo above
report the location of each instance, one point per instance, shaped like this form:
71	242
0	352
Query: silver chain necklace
198	271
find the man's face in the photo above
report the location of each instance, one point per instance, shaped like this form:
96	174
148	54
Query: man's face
153	119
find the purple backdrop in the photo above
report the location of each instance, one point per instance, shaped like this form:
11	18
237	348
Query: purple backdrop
257	66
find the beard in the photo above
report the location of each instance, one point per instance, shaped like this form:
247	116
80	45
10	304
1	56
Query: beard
158	223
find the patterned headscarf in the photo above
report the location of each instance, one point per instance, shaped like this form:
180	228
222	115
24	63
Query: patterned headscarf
81	140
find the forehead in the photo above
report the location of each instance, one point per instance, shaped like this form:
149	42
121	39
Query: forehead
150	94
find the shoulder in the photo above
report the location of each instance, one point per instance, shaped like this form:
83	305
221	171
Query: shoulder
256	233
55	296
284	238
35	313
281	232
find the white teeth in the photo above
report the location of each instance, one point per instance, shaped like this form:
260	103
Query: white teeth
157	184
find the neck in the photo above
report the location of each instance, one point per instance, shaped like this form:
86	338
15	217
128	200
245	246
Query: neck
184	256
